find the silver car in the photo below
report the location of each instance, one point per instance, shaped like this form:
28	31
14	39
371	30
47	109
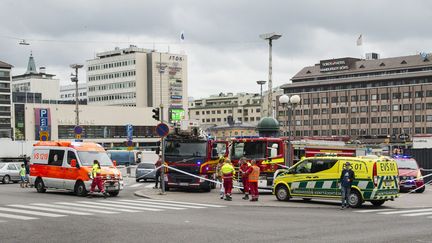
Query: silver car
145	171
9	172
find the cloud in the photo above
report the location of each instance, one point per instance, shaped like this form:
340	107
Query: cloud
222	43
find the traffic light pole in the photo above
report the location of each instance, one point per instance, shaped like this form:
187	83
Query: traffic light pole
161	70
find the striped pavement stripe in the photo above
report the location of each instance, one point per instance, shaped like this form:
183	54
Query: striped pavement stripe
54	210
121	206
135	185
23	211
373	210
14	216
163	204
75	208
185	203
417	214
408	211
98	207
141	205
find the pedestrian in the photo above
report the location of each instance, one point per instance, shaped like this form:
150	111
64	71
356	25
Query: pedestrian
253	175
23	176
244	166
158	166
219	176
97	179
228	173
26	161
346	179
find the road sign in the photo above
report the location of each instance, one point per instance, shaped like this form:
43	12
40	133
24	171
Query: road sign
78	136
43	136
129	143
129	131
78	130
162	129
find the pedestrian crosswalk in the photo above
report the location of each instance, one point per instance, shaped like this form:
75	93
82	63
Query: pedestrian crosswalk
33	211
412	212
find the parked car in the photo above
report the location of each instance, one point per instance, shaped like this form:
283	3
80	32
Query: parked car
9	172
410	176
123	157
145	171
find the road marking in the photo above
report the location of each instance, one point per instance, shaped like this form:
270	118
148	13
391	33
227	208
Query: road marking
31	212
92	210
373	210
149	186
13	216
185	203
164	204
140	205
54	210
98	207
416	214
408	211
135	185
120	206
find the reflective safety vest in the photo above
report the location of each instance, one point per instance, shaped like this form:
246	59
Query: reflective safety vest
96	171
254	175
227	171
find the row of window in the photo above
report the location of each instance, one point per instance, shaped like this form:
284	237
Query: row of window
246	119
257	110
112	75
359	85
122	96
111	65
4	74
364	132
364	120
24	87
72	95
355	98
123	85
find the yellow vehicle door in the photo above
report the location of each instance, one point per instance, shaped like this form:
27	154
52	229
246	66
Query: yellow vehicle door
301	174
324	177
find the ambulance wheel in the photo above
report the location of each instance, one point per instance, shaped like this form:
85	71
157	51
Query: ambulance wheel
40	186
377	203
114	193
355	199
6	179
421	190
282	193
80	189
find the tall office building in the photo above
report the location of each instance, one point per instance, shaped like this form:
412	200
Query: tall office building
5	100
373	98
139	77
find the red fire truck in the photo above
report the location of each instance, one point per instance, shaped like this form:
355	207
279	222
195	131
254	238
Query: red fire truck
192	152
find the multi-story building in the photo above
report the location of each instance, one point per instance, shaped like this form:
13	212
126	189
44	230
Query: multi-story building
226	108
67	92
139	77
37	82
364	98
5	100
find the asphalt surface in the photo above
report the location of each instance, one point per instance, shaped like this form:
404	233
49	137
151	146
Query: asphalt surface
176	219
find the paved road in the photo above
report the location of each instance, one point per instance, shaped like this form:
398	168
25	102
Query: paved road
27	216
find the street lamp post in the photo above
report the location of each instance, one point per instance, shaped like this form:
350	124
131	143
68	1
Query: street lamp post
261	83
74	79
289	104
270	37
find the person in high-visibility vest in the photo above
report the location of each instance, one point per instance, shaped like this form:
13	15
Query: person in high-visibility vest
97	179
244	166
253	175
22	173
228	172
219	176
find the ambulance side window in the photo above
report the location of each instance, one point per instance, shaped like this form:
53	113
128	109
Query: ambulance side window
304	168
55	157
323	164
70	156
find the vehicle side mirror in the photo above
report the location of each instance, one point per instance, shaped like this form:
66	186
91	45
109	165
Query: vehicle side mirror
114	163
74	163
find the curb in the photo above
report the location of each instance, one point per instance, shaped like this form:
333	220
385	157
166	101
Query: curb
138	194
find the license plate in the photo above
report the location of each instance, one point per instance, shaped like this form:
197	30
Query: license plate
111	188
389	183
184	184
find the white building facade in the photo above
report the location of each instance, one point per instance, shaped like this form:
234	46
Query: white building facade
5	100
138	77
67	92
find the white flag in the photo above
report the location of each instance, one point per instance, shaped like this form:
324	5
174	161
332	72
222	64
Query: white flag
360	40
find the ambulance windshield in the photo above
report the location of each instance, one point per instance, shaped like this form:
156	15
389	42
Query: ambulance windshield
87	158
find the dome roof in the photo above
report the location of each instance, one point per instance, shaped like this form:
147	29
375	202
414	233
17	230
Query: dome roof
268	124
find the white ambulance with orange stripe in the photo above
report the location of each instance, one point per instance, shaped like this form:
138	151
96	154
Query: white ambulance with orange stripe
67	165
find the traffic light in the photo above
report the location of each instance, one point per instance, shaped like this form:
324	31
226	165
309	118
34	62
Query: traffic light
156	114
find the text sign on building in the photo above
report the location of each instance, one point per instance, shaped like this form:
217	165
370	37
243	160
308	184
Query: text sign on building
336	64
129	132
43	119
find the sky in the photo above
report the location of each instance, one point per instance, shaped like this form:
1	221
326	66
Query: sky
225	53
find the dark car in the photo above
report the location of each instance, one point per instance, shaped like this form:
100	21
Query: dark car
410	176
145	171
122	157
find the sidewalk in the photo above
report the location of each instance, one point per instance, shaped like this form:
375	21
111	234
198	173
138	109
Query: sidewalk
268	200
